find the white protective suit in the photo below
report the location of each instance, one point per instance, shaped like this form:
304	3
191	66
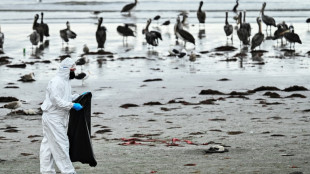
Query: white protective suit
56	107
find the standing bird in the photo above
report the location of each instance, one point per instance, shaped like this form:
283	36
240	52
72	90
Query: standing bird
125	31
236	17
85	49
183	34
129	7
292	37
184	20
81	61
242	32
269	21
44	26
279	33
13	105
151	36
246	25
101	35
308	21
67	34
34	38
39	28
258	37
1	39
201	15
82	76
228	28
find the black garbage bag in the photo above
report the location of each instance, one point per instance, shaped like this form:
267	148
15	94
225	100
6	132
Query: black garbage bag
79	132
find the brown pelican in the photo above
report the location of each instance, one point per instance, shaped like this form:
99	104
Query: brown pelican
242	32
151	36
184	22
129	7
279	33
183	34
228	28
125	31
1	39
308	21
201	15
67	34
44	26
247	26
101	34
258	37
269	21
36	26
292	37
236	17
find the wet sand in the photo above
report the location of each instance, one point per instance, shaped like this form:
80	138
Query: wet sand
263	134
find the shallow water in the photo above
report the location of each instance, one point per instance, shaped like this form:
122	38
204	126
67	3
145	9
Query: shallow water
178	74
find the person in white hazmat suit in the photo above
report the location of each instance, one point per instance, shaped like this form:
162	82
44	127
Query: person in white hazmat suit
55	117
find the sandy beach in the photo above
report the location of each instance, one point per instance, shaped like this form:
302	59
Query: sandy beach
153	112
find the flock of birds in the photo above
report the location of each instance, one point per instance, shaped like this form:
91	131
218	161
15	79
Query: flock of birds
41	30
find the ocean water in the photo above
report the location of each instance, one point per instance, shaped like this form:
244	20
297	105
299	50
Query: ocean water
57	11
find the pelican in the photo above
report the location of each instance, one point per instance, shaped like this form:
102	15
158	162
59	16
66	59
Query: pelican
235	7
67	34
292	37
236	17
101	35
258	37
44	26
242	32
201	15
228	28
247	26
183	34
151	36
125	31
308	21
1	39
269	21
129	7
36	26
184	20
279	33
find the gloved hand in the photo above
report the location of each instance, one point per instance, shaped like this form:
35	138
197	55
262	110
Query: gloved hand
77	106
85	93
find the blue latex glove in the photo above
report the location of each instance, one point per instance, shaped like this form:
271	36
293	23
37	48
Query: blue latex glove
85	93
77	106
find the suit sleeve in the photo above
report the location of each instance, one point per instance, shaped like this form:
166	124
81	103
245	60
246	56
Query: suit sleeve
55	91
